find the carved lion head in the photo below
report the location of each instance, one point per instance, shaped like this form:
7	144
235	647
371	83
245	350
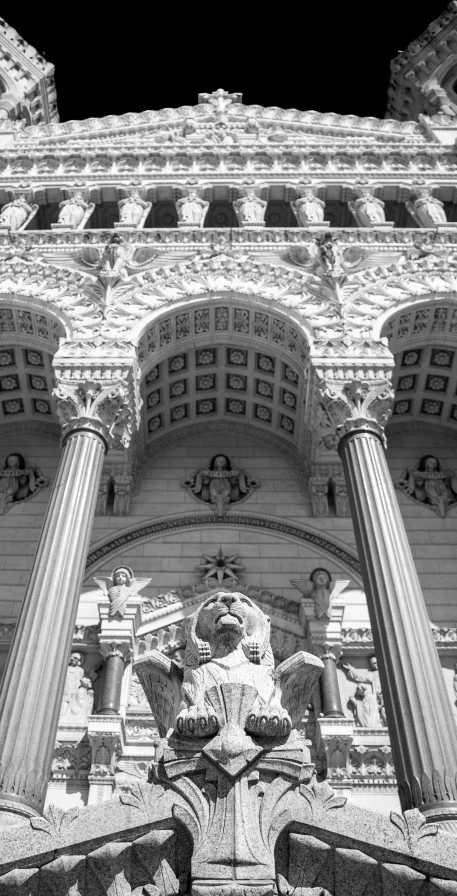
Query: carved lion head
232	613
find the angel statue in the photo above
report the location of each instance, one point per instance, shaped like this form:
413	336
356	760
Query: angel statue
133	211
220	484
229	684
15	215
250	208
321	591
123	587
75	212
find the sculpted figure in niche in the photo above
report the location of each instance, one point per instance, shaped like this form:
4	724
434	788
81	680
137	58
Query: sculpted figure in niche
250	209
18	481
367	210
367	703
192	209
78	696
123	587
228	644
15	213
72	211
220	484
430	484
132	210
308	209
427	210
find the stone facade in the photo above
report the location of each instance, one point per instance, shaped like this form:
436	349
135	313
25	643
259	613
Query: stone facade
212	319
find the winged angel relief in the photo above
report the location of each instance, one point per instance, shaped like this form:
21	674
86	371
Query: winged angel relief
112	268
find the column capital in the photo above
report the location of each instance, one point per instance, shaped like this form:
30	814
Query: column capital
360	405
99	393
117	647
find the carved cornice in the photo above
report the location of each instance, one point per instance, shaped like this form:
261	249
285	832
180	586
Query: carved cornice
109	547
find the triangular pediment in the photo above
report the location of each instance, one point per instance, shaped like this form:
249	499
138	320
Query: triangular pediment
221	121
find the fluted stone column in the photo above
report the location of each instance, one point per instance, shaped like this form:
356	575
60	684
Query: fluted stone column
32	689
419	714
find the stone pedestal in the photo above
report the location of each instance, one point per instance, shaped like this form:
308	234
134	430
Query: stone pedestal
34	679
420	719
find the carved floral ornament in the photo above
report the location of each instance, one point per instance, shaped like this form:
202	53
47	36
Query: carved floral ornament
356	406
109	293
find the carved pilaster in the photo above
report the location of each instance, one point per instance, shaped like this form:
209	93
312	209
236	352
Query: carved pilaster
123	484
105	738
419	715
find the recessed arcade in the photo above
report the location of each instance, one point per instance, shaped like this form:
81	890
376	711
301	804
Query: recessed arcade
224	358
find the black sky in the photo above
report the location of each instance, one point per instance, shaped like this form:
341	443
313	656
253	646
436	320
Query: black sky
114	58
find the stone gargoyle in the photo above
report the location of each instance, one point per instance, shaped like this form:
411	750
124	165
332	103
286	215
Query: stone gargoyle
229	691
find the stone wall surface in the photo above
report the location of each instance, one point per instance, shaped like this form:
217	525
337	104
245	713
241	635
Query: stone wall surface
270	561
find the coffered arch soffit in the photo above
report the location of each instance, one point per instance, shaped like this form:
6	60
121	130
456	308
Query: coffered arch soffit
225	358
423	339
29	336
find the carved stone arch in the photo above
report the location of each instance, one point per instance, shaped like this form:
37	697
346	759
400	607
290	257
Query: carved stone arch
48	325
409	323
231	297
30	334
108	548
422	336
62	292
225	356
379	296
298	459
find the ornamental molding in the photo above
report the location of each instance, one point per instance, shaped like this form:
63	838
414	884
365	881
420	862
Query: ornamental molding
194	239
107	549
31	427
237	111
435	430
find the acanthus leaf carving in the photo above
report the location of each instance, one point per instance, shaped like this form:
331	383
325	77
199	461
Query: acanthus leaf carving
357	406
